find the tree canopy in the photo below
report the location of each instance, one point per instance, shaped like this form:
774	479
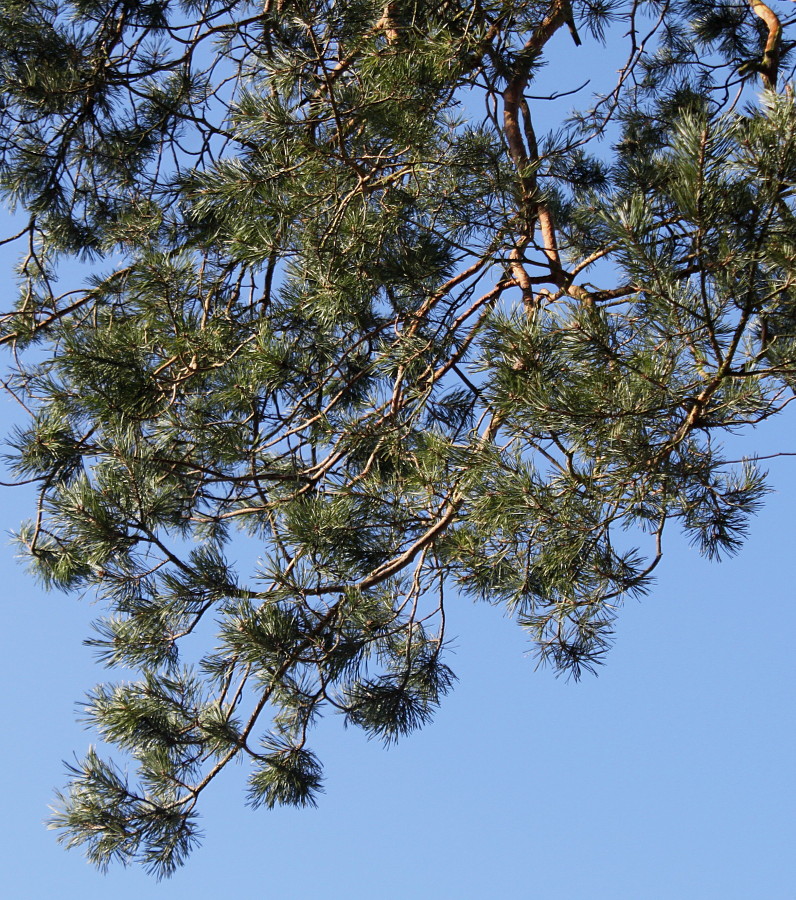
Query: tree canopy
350	295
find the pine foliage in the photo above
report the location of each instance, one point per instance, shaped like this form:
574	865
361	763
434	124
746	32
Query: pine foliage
348	299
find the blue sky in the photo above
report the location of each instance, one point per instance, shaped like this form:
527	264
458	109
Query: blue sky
668	777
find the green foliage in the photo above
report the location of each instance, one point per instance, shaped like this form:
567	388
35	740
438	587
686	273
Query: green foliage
348	305
287	775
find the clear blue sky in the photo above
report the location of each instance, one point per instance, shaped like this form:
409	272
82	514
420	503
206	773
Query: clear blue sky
668	777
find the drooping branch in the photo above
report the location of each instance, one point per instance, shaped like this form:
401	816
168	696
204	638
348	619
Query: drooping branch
768	66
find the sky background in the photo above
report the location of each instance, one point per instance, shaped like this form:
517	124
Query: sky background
668	777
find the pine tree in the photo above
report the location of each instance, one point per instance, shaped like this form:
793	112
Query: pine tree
348	299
